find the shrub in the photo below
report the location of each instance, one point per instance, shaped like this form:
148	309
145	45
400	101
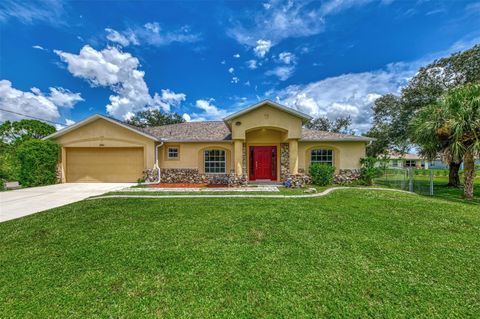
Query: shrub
369	171
38	162
321	174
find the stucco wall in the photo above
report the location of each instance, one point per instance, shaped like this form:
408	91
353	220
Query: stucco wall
191	155
267	116
102	133
346	155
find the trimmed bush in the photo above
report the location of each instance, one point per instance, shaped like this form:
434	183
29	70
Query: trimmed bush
369	171
321	174
38	162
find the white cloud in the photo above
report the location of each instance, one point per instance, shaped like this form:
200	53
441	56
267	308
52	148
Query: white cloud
287	58
69	122
210	111
236	56
168	99
151	33
231	70
262	47
118	71
235	80
30	12
252	64
282	72
335	6
186	117
354	93
64	98
349	94
280	20
34	103
117	37
223	62
39	47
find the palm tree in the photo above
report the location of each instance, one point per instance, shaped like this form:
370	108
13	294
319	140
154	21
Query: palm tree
453	125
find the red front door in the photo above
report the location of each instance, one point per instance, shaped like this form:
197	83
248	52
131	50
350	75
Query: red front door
263	162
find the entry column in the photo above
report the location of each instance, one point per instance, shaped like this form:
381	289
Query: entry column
293	156
238	157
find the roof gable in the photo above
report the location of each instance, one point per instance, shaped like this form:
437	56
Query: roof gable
303	116
94	118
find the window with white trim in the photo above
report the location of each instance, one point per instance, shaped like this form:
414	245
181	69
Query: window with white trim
214	161
394	163
410	163
172	152
321	156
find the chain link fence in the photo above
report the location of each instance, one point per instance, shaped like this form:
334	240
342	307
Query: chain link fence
420	181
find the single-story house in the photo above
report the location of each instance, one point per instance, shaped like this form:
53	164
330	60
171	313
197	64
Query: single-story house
266	141
411	160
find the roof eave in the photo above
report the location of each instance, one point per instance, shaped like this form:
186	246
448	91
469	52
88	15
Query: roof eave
197	141
305	117
93	118
341	139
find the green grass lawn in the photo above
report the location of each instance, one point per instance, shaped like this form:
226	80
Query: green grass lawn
351	254
422	186
282	191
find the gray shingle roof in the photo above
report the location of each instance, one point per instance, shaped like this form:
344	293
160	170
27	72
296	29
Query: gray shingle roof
209	131
218	131
315	135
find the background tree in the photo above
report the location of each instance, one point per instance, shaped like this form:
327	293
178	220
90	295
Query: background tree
386	126
453	125
339	125
14	134
153	117
20	131
392	114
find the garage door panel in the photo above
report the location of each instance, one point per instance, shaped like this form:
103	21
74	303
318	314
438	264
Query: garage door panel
112	164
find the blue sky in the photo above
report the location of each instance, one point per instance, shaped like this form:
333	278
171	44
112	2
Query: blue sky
63	61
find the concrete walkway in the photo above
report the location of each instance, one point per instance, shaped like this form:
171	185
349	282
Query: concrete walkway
23	202
324	193
202	190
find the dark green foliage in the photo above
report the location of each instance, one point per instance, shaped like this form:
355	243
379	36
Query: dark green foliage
392	114
339	125
151	118
12	135
38	162
20	131
321	174
369	170
387	128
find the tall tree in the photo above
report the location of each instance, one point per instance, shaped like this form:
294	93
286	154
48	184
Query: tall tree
392	115
152	117
12	135
386	126
452	124
339	125
19	131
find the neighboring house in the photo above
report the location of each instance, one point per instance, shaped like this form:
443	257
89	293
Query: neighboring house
265	141
410	160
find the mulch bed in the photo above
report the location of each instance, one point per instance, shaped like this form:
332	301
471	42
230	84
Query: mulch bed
186	185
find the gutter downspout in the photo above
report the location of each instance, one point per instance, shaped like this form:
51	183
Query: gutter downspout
156	166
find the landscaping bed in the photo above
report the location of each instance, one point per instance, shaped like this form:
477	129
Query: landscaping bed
185	185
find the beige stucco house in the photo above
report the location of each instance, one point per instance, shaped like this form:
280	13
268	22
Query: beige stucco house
265	141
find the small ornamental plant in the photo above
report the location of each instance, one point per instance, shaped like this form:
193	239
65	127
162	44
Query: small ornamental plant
369	170
321	174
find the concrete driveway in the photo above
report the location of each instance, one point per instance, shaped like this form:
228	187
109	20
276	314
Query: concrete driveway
23	202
